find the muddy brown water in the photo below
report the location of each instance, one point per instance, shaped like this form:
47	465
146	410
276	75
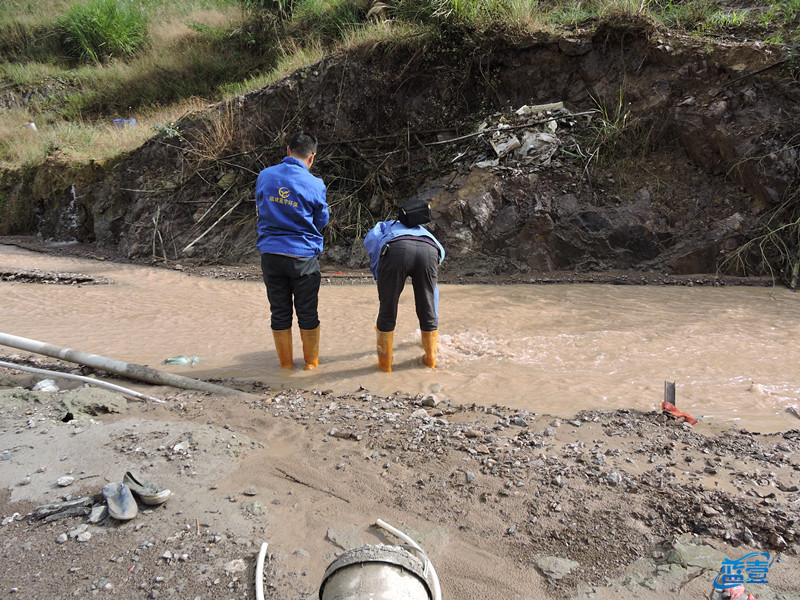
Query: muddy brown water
732	351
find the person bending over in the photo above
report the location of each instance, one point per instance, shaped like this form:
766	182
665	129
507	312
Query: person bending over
398	250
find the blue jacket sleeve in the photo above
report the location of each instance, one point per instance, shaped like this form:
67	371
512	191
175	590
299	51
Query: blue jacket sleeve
321	213
373	242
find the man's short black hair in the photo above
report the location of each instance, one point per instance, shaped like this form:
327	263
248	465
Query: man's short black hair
303	143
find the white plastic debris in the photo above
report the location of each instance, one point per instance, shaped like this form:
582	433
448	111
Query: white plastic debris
505	145
537	147
46	385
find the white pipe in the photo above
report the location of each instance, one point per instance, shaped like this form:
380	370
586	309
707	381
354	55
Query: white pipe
437	590
97	382
118	367
260	572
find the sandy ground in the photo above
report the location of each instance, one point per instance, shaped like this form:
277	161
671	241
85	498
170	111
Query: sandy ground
505	504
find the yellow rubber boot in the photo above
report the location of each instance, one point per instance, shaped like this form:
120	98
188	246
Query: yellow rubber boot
283	346
430	342
385	342
310	338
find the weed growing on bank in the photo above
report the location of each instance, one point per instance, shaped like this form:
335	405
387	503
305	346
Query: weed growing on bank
775	249
102	29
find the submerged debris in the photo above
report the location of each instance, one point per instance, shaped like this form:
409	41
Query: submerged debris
182	360
36	276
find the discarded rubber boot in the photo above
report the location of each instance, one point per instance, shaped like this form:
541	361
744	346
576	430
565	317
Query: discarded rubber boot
283	346
121	504
430	343
385	342
147	491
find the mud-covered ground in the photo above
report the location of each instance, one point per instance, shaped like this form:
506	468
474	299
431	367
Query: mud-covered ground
506	504
342	275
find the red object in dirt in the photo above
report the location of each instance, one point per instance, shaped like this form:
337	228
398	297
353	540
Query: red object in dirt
738	593
672	410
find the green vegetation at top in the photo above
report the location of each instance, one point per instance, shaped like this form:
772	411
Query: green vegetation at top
102	29
79	64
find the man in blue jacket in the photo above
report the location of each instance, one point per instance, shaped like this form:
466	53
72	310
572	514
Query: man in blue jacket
292	211
397	251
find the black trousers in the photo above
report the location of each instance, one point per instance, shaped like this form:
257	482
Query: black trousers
292	280
399	260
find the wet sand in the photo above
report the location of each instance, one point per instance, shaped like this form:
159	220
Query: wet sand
507	504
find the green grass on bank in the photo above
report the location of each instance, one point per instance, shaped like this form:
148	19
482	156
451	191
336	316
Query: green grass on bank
102	29
79	65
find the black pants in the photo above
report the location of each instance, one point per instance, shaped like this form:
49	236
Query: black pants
399	260
289	278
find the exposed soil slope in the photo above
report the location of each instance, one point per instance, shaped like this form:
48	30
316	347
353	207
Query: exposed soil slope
668	152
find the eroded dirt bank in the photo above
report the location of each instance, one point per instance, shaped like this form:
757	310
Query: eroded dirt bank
507	504
654	153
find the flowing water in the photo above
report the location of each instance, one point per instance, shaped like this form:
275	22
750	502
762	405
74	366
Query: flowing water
733	352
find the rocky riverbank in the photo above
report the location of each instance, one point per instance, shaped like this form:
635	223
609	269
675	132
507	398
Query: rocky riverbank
339	274
507	504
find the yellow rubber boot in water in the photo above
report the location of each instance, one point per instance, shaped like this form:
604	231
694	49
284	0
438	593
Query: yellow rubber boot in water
310	338
385	342
430	342
283	346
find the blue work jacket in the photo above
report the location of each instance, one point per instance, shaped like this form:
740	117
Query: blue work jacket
292	210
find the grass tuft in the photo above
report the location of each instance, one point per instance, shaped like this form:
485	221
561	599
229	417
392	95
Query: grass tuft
103	29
